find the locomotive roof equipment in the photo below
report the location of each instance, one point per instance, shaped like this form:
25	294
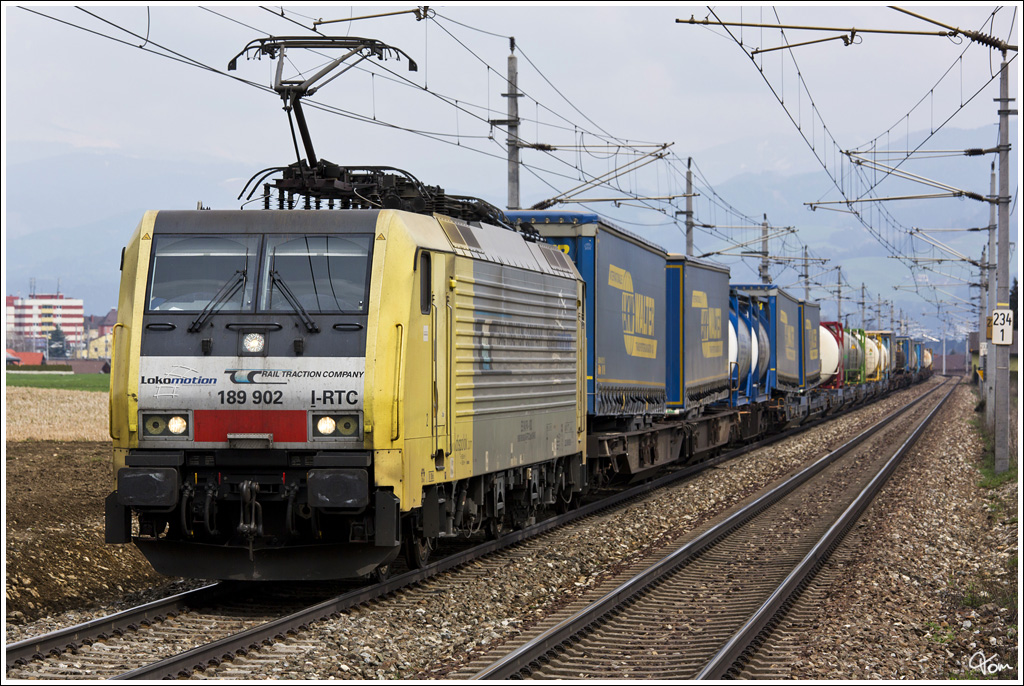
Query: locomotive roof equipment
345	187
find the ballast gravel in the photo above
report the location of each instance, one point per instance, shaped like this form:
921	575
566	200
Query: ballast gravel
932	589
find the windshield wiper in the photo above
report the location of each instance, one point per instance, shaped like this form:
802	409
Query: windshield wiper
226	291
311	325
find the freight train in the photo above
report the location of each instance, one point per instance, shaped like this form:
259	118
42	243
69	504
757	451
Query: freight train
310	391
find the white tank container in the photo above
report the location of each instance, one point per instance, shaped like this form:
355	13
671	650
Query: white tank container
739	348
764	354
872	358
830	353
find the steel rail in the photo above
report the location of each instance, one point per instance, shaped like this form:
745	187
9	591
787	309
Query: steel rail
520	658
56	642
742	641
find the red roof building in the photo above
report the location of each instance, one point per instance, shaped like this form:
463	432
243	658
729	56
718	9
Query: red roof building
26	359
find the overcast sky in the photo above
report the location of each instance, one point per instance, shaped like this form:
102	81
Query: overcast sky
629	74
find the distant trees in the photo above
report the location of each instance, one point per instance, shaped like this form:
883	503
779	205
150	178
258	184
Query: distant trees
17	341
57	348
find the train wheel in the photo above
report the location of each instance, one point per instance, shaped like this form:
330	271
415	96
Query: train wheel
382	573
567	502
417	552
495	528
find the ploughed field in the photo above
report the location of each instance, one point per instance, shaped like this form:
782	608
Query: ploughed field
55	485
56	558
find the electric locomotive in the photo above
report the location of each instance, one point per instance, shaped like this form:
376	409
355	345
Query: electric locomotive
303	394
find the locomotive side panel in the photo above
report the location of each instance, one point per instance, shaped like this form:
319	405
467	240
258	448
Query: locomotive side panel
515	346
407	382
487	375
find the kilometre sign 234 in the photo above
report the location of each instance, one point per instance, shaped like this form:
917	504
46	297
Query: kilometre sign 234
1002	327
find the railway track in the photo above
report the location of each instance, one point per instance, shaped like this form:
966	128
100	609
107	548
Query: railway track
698	609
159	632
203	628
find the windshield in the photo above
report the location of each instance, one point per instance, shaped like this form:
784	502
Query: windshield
190	271
325	273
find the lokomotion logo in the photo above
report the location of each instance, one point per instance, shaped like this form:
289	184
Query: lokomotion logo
637	316
712	344
177	380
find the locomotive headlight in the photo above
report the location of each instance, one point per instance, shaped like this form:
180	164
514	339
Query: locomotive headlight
336	425
164	425
325	426
155	425
347	425
253	342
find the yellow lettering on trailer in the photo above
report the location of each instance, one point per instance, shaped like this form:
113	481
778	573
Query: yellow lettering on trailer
638	316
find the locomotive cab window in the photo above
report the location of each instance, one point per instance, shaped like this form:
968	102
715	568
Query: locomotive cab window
425	292
191	272
323	273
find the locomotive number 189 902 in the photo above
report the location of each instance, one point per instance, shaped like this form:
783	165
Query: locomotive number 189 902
255	398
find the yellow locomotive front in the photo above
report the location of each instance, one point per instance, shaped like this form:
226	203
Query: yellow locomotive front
303	394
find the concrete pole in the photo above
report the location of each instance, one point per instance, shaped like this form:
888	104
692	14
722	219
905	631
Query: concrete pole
513	128
839	295
765	279
981	320
990	274
1002	432
943	322
863	307
689	208
807	278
